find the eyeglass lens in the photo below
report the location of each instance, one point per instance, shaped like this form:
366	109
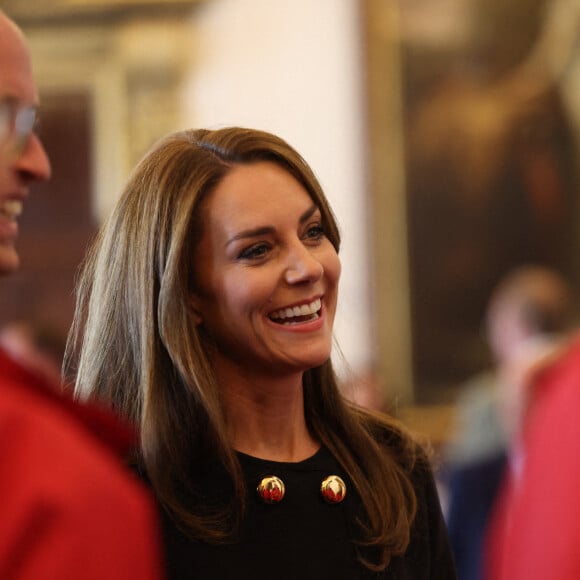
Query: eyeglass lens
17	124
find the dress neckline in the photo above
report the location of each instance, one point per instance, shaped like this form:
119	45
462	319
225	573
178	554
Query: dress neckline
250	461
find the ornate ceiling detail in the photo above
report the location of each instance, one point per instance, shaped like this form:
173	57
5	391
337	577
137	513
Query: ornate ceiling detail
44	11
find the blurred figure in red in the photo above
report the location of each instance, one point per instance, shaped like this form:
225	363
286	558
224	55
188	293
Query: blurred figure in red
529	315
35	346
70	511
536	526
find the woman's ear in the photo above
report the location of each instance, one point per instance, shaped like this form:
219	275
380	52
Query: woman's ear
196	309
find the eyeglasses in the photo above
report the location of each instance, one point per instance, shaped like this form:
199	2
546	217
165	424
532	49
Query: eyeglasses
17	123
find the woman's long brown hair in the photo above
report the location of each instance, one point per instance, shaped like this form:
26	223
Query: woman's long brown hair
134	344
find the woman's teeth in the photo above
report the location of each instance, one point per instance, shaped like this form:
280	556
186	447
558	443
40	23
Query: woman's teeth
304	312
11	209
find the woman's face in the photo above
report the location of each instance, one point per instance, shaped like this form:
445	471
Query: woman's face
266	274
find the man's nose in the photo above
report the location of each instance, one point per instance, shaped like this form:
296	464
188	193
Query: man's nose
33	163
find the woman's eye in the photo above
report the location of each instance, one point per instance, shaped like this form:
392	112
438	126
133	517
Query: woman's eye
254	252
315	232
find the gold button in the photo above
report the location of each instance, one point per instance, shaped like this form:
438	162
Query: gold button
271	489
333	489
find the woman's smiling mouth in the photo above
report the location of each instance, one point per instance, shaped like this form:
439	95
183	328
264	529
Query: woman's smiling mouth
297	314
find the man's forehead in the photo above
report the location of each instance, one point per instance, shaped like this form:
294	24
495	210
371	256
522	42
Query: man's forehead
16	79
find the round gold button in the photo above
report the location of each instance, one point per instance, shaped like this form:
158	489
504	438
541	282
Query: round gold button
271	489
333	489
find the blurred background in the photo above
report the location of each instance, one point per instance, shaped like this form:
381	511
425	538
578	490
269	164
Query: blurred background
445	133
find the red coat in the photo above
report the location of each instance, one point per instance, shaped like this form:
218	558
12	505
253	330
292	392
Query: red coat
68	508
536	529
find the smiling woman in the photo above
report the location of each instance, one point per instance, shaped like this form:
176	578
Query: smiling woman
205	315
266	278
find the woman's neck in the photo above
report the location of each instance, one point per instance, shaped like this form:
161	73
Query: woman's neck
265	417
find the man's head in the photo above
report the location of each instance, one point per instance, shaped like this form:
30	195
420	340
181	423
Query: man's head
22	156
529	303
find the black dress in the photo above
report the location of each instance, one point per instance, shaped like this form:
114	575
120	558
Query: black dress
303	537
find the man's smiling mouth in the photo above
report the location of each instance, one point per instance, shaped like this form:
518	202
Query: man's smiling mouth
297	314
11	209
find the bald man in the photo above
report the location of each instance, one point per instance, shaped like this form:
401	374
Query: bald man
23	159
68	508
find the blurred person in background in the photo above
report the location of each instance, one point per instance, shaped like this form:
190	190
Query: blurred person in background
529	315
69	509
535	527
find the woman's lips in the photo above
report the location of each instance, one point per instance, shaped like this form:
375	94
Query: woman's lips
297	314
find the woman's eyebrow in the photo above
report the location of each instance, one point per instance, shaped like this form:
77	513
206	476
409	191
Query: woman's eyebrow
268	230
308	213
261	231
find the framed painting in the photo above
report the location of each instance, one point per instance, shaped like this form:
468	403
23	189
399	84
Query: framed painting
473	137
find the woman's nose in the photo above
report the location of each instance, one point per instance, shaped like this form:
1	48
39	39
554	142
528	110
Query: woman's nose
302	266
